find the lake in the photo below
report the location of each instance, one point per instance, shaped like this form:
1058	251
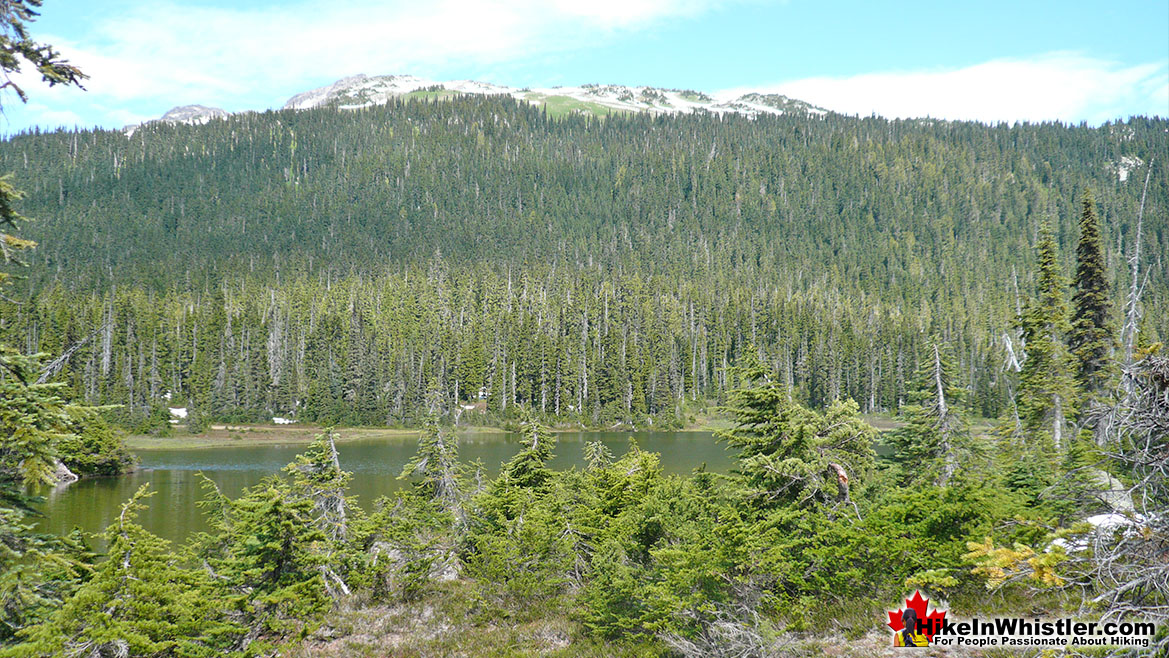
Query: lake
375	463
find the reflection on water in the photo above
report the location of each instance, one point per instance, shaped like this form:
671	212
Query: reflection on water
172	512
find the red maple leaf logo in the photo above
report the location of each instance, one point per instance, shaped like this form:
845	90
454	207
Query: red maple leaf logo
931	622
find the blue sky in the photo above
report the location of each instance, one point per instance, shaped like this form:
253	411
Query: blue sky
989	61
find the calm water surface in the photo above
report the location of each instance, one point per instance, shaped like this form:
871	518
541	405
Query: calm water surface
375	464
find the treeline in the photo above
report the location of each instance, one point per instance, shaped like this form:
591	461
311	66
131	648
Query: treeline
573	345
334	265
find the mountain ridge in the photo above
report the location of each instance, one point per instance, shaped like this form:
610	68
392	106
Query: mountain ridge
361	90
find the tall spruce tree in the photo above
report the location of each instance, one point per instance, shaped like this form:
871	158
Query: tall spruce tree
1092	336
936	435
1047	388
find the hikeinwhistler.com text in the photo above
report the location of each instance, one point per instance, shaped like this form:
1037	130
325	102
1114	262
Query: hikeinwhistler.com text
1020	632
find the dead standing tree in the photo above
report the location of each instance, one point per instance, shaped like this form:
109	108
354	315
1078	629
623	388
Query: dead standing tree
317	477
1132	305
1130	564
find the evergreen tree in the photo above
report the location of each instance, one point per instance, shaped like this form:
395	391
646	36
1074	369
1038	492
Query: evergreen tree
140	602
792	454
935	440
1092	337
437	462
34	420
94	447
411	538
37	571
408	541
1047	393
269	559
317	478
528	469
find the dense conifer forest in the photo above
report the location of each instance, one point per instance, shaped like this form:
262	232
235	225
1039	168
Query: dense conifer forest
333	266
1002	290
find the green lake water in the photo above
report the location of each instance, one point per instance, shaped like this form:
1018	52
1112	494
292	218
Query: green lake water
375	463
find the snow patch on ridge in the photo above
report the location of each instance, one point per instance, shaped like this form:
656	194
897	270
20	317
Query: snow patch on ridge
194	114
359	91
191	115
1126	165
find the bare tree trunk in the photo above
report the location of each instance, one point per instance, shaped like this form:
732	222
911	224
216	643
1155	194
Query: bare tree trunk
944	422
56	364
1057	422
1014	362
338	502
1132	312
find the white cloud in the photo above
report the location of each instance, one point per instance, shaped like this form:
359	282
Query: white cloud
623	13
49	117
226	57
153	55
1057	86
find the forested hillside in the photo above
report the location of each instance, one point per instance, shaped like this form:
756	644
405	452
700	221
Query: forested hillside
336	265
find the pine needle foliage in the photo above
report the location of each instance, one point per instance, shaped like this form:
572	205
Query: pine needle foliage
437	466
38	571
34	419
316	476
1047	394
529	469
791	454
271	561
139	602
935	440
1093	337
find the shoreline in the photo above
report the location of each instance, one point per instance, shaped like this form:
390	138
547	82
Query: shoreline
250	435
227	436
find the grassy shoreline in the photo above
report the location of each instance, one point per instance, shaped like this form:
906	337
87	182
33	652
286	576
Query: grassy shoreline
241	435
233	435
